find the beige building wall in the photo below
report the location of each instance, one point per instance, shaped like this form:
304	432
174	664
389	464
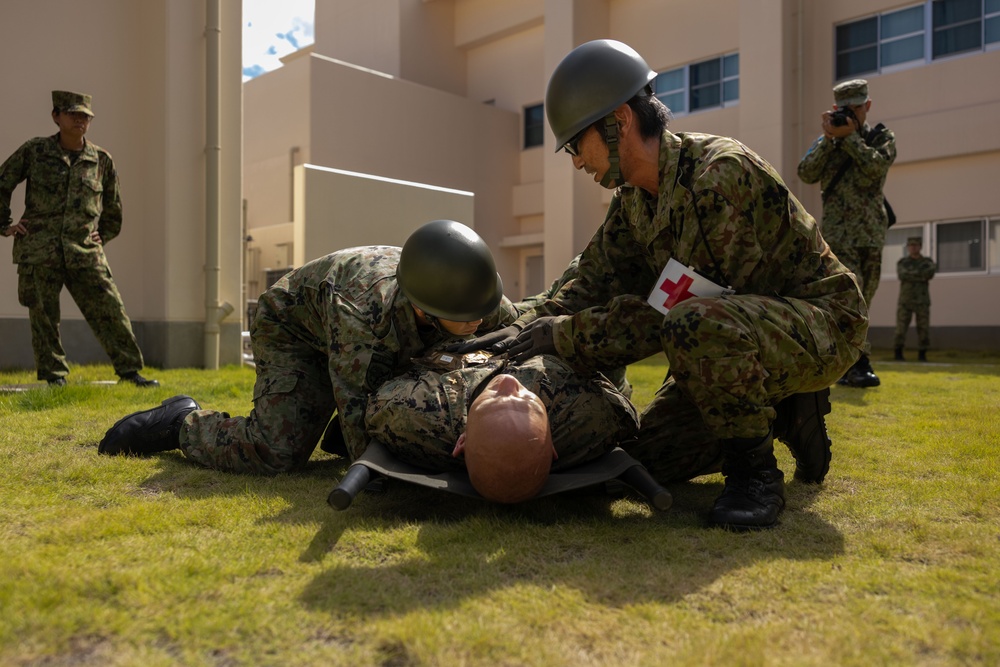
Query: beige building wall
145	65
338	209
445	83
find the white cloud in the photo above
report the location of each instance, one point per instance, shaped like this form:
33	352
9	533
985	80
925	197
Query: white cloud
272	29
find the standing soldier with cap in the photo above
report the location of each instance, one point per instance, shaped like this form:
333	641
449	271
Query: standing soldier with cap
72	207
706	256
851	160
914	272
325	337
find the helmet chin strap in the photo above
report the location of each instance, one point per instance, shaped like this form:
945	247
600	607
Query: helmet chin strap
613	177
431	321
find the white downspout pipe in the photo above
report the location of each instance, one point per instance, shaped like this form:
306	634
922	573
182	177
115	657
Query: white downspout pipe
215	311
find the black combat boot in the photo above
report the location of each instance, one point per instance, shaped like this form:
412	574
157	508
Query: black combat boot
899	354
861	374
149	431
137	380
333	439
801	426
755	488
922	355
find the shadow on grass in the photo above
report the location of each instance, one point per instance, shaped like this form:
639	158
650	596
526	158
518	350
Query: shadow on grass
610	551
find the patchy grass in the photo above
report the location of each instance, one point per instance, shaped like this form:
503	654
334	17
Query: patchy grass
115	561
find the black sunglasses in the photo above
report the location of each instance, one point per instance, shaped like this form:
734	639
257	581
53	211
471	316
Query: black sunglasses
573	145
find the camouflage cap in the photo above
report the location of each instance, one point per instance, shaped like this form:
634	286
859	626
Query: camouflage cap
851	93
69	102
914	239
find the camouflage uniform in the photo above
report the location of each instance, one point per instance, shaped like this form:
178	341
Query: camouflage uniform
325	337
616	375
68	196
796	322
854	215
914	299
420	415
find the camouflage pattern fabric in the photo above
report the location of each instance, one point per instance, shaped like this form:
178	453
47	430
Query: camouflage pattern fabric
420	415
325	337
617	374
95	293
914	299
796	322
854	215
66	200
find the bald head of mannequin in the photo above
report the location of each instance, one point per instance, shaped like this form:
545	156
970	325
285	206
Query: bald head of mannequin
507	442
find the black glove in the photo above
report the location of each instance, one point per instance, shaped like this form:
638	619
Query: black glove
534	339
483	342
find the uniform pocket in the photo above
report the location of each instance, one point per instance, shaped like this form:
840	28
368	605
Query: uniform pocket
270	383
92	197
27	291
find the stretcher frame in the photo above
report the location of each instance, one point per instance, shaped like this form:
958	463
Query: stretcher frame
615	466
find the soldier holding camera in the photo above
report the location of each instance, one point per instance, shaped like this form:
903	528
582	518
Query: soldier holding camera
850	160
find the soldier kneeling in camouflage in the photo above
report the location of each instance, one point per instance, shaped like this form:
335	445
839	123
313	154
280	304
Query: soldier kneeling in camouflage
706	256
512	422
325	337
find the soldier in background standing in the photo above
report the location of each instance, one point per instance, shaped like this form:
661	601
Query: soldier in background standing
72	207
851	160
914	271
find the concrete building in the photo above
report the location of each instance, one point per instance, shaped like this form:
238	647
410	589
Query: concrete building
407	110
449	92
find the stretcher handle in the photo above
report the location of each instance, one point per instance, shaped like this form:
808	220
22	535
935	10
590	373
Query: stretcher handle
354	481
639	479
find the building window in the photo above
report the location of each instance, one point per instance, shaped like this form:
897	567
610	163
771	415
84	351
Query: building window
960	246
882	42
708	84
957	247
671	89
994	251
534	126
894	248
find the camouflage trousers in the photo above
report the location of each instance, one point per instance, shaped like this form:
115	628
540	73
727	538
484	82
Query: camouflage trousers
866	265
292	406
96	295
732	359
904	313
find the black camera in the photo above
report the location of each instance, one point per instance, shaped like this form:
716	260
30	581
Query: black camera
839	116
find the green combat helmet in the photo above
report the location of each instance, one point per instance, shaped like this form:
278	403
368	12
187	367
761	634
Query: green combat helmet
591	82
446	270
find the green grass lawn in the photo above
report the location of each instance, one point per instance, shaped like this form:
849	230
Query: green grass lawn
894	560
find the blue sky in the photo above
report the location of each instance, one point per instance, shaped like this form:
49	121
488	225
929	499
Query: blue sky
272	29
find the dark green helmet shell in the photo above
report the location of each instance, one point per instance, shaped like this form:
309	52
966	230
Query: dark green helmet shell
447	270
591	82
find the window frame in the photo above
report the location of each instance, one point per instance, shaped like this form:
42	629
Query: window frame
527	127
989	240
929	33
688	90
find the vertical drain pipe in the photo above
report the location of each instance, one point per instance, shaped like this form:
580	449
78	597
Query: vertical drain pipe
215	311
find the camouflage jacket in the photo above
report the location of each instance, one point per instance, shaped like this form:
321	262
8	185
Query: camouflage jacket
720	209
64	202
419	415
348	307
854	213
914	276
